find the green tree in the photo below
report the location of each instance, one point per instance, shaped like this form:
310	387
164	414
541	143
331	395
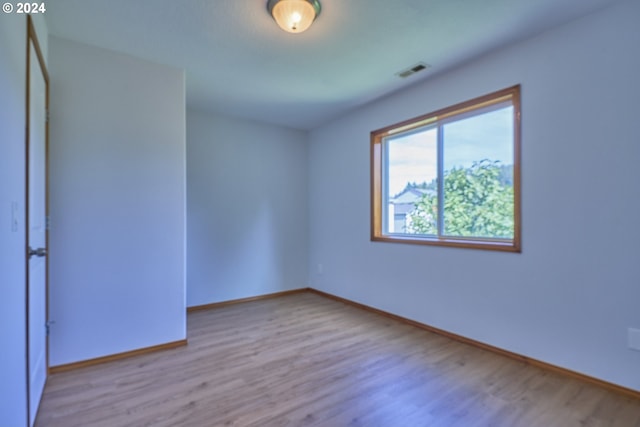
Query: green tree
478	202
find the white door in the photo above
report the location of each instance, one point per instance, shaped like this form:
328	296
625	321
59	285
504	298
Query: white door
36	226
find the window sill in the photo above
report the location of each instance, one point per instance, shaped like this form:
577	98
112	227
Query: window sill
486	244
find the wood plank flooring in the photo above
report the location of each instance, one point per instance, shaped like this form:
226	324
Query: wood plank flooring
306	360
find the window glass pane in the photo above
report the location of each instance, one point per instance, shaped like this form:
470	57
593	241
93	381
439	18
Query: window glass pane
478	175
411	171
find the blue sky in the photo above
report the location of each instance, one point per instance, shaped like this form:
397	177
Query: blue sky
412	157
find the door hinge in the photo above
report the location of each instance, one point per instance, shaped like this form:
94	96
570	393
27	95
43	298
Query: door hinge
47	326
47	116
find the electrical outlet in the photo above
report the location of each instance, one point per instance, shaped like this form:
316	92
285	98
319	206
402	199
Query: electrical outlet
634	338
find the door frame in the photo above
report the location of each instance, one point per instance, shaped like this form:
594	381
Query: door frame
32	39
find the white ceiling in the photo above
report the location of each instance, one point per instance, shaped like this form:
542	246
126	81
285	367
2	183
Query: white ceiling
239	63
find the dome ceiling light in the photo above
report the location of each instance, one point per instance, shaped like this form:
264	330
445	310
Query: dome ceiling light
294	16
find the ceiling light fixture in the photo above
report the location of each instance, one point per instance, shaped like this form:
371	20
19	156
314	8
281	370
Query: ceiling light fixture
294	16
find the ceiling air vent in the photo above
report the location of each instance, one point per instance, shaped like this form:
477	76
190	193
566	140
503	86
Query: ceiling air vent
412	70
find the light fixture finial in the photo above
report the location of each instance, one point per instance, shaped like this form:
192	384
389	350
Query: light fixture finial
294	16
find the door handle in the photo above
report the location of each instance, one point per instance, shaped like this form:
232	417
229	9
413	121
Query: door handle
40	252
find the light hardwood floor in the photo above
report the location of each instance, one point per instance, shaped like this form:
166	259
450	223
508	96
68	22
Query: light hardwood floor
306	360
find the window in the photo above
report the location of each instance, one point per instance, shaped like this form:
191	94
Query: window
451	177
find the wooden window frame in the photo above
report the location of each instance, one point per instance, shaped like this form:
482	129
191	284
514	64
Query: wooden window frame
511	94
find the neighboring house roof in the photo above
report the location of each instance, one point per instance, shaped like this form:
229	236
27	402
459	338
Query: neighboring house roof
410	196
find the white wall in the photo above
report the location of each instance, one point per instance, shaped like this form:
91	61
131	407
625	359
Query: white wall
13	387
118	188
247	209
570	296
